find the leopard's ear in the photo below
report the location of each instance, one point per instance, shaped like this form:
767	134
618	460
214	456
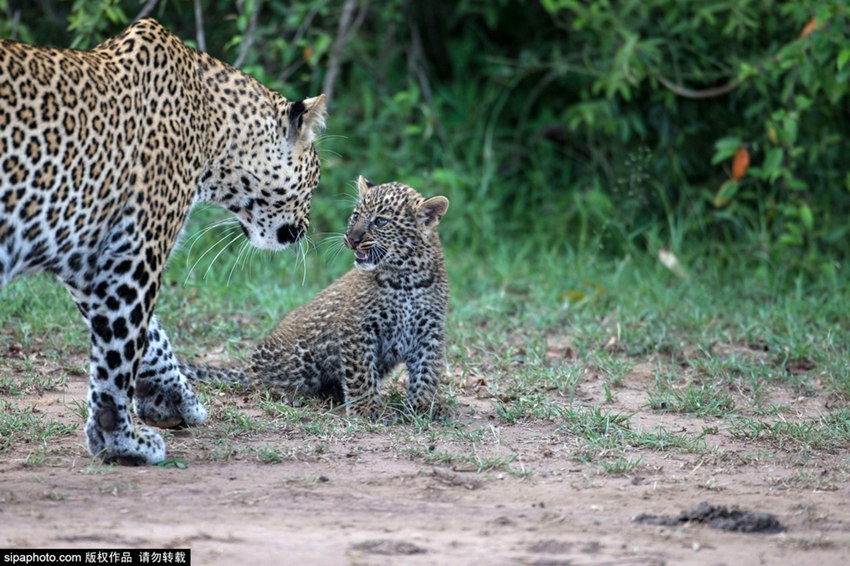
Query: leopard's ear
431	210
306	119
363	185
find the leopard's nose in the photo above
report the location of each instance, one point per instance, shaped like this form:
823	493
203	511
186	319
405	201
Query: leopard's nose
289	233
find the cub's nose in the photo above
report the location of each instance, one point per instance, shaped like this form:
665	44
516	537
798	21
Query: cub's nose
353	241
289	233
354	236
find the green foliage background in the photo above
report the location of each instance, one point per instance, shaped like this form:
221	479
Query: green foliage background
579	142
601	127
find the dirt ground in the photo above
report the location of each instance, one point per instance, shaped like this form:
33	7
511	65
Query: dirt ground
365	499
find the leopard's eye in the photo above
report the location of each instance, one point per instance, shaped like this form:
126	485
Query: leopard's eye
380	221
354	217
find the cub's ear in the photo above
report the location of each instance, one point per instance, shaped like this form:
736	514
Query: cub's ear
363	185
431	210
306	119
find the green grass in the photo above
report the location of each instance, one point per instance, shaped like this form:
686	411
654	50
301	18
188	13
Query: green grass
26	425
607	440
829	431
699	400
548	336
23	377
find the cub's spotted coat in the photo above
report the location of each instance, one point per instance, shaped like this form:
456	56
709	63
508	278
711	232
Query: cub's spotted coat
390	308
102	155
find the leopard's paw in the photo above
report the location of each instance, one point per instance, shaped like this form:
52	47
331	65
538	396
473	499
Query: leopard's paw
112	437
168	403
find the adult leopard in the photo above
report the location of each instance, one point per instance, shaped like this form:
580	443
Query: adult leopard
102	155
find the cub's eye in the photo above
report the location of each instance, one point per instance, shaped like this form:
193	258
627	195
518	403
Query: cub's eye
354	217
380	221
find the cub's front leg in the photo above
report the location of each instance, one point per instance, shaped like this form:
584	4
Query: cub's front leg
424	368
361	380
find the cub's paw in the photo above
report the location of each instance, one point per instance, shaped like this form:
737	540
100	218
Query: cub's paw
429	406
167	402
111	436
436	411
371	409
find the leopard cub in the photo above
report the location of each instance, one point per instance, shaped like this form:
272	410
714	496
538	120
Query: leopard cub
390	308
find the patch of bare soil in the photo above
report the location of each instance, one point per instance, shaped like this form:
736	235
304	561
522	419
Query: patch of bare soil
368	498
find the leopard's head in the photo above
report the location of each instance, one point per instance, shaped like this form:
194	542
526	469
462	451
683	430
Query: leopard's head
393	227
267	167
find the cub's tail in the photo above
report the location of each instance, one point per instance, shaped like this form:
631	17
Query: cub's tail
235	375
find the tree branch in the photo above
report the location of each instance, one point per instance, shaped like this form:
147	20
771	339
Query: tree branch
697	94
343	35
248	39
146	9
199	24
53	16
416	66
302	29
15	18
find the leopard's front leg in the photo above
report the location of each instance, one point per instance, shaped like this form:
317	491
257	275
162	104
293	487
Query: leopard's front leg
163	396
117	310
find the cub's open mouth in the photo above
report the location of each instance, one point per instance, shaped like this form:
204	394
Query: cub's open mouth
360	256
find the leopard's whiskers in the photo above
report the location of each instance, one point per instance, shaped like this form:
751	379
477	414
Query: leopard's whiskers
329	238
227	234
224	247
303	247
318	140
377	253
246	256
335	246
242	249
350	198
215	224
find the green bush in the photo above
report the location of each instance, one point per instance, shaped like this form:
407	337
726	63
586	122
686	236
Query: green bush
604	127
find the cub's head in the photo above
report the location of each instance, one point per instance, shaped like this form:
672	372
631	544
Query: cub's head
266	168
393	227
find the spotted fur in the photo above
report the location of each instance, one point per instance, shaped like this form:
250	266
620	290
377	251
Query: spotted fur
102	155
390	308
